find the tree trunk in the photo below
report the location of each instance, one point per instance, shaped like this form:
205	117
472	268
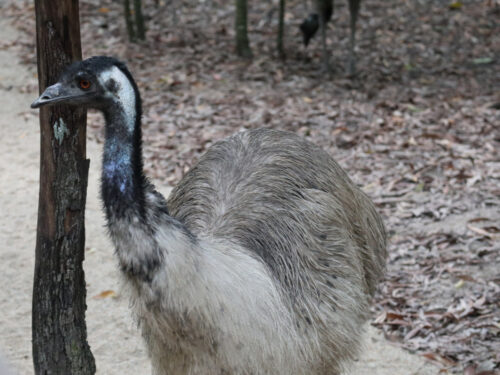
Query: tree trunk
281	30
139	20
354	10
58	326
128	21
242	44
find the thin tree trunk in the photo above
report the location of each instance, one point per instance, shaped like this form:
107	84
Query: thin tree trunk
354	10
242	43
281	29
128	21
139	20
58	322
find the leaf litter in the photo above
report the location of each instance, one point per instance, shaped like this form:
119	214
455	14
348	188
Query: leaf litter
418	129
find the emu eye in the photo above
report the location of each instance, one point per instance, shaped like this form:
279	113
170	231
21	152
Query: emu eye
85	84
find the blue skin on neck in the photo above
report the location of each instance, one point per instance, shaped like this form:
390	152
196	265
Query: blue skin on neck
117	164
118	169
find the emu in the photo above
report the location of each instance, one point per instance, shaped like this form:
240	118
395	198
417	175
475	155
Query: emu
323	11
262	261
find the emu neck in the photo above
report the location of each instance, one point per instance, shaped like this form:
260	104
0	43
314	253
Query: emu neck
122	174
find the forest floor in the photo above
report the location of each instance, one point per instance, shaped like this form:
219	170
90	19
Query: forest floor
418	129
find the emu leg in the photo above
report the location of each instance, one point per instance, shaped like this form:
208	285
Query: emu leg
325	63
354	10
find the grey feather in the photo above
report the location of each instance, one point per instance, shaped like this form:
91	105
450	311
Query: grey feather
262	261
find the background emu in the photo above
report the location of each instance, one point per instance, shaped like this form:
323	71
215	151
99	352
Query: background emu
264	258
323	11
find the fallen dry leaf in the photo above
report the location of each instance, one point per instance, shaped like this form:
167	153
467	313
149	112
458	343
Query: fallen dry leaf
106	294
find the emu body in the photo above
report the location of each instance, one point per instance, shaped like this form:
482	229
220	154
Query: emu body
323	11
262	261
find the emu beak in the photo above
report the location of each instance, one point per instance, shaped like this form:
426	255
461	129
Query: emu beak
51	95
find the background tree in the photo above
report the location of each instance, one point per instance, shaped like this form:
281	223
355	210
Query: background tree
128	20
139	20
242	44
135	30
281	29
58	327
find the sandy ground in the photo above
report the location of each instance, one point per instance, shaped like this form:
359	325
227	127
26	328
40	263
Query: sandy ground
113	337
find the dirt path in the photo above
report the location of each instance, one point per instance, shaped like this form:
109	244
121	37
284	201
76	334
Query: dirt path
114	339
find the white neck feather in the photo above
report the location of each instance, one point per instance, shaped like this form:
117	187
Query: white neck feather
123	95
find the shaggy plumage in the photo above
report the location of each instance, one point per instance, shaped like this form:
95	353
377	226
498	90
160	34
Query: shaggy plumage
262	261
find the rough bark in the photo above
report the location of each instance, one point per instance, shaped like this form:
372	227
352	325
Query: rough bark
58	323
242	43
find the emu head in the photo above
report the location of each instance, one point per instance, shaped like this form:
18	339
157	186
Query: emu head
309	27
97	82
